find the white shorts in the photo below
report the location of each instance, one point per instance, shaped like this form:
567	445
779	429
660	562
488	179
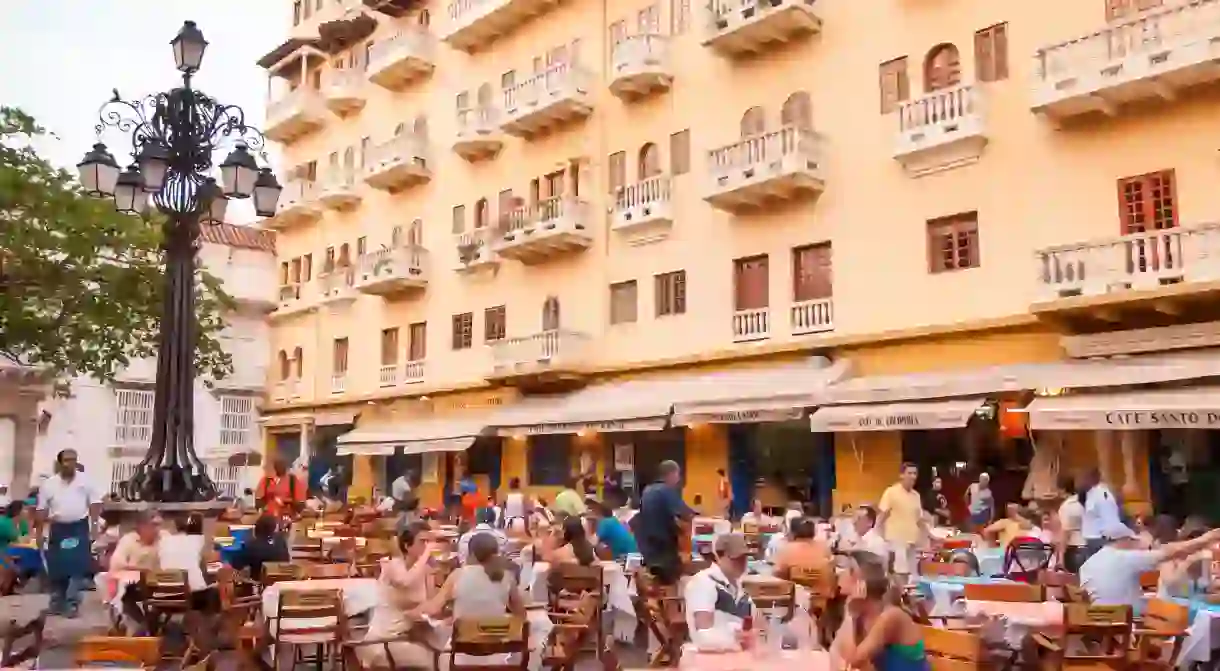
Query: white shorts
906	557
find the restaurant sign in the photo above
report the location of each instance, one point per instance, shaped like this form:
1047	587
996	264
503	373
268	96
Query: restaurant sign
607	426
1163	419
739	416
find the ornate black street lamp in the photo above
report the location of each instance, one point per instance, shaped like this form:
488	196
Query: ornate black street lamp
174	138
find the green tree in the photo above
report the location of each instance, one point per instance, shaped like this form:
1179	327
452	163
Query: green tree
81	284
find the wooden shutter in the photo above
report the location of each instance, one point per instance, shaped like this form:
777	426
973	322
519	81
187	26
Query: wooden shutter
623	302
894	83
753	122
550	314
459	219
618	171
679	152
797	111
463	330
362	246
991	53
953	242
943	68
495	324
811	273
618	32
417	341
670	295
751	278
284	273
1148	202
650	161
296	270
389	346
307	267
339	356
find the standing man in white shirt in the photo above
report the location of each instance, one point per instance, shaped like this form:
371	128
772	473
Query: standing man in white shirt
401	488
1101	514
902	523
68	508
1071	516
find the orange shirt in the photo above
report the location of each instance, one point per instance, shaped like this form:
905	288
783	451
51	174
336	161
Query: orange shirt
281	493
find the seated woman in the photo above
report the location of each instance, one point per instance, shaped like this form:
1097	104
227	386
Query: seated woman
13	524
266	544
612	534
137	551
716	603
486	587
802	549
1004	530
576	548
187	550
876	631
404	586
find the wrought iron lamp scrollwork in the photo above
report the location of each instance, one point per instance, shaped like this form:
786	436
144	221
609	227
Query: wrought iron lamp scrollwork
175	137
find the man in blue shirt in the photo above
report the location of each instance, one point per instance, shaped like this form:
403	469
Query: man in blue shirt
656	525
611	532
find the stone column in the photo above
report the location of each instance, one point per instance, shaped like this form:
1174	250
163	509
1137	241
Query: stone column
1133	490
306	442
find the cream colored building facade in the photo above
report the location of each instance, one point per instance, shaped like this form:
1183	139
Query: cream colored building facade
489	198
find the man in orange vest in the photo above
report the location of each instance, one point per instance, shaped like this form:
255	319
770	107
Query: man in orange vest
281	493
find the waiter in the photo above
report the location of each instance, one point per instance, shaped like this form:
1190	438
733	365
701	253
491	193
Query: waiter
68	505
656	525
281	493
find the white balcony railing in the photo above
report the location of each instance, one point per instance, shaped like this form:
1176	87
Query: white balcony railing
653	190
298	192
556	82
338	179
413	372
754	324
481	120
402	148
765	148
1137	261
408	42
290	293
813	316
338	383
939	109
544	349
301	98
387	375
337	80
337	284
545	211
641	52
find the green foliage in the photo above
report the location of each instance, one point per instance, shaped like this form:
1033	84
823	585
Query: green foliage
80	284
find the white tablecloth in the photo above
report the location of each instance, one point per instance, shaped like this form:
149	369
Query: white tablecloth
360	595
618	595
1201	637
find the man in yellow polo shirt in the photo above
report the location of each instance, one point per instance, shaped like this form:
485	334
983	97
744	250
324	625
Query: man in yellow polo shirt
902	523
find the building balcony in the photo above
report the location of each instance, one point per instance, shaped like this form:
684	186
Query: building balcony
1152	55
475	250
640	67
398	163
286	390
393	271
812	316
340	190
290	302
549	228
295	114
344	90
338	383
394	374
553	354
478	136
941	130
744	27
751	325
644	211
759	171
478	23
403	58
299	205
337	288
556	96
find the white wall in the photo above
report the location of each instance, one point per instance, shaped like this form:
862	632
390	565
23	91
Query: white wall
87	421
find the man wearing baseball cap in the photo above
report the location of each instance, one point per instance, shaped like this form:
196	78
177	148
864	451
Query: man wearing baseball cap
1112	575
716	603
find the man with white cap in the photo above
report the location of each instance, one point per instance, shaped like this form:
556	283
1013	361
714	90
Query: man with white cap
1112	575
716	603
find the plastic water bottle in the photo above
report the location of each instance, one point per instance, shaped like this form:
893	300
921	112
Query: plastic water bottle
775	635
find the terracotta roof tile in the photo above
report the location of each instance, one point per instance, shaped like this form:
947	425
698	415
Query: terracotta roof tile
244	237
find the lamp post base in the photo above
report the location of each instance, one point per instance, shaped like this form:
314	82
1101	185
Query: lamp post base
152	483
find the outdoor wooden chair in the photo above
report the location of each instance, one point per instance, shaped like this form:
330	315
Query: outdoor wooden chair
1093	638
572	630
1159	634
239	628
308	618
142	651
482	637
950	650
772	596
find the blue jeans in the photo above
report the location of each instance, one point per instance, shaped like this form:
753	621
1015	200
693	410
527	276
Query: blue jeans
65	594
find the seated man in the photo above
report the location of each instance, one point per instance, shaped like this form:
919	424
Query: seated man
1112	575
803	549
716	603
485	524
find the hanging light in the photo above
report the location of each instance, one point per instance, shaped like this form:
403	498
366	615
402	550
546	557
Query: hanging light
98	172
129	194
214	202
189	46
239	172
267	192
153	160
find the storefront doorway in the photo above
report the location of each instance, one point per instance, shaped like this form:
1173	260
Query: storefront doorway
958	456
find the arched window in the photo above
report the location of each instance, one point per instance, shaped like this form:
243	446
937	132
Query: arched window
425	18
298	362
285	365
420	127
415	233
345	259
395	237
942	68
797	111
550	314
481	213
484	95
753	122
649	162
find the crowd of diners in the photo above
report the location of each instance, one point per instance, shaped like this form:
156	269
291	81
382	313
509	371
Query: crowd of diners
873	550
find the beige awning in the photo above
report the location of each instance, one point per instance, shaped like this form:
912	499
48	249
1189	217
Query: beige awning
1193	408
415	436
754	395
915	416
1073	374
622	406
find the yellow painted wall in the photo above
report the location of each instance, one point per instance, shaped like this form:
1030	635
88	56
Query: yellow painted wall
707	449
866	462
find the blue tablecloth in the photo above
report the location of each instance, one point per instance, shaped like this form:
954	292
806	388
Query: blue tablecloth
230	553
27	560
